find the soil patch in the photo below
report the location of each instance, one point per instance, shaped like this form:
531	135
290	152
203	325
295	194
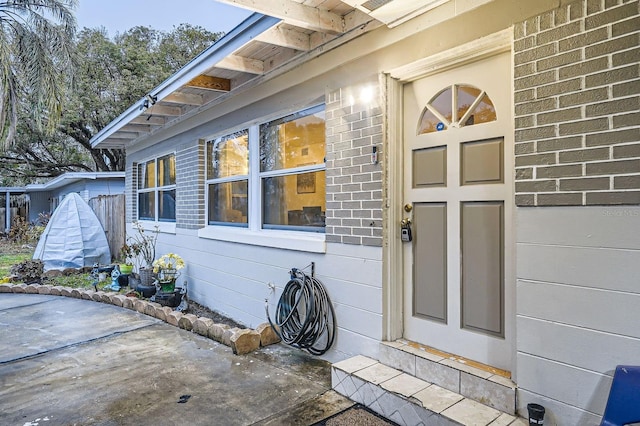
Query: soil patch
202	311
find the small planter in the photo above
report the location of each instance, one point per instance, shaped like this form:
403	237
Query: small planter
146	277
167	279
146	290
167	286
125	269
123	280
171	299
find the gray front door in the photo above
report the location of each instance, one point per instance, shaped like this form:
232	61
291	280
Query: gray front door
458	191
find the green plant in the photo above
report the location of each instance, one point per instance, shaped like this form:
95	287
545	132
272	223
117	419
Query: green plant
82	280
143	244
129	253
12	253
28	271
8	260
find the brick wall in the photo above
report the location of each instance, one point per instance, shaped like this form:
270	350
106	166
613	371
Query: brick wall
577	103
354	184
190	197
131	199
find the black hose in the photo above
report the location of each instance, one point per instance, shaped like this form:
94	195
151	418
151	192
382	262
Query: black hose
304	316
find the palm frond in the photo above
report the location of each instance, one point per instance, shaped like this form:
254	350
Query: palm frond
36	61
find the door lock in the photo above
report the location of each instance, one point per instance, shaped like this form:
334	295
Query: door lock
405	230
408	207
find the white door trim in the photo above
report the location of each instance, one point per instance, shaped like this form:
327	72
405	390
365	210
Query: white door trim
392	82
470	52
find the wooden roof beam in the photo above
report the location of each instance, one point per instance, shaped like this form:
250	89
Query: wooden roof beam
210	83
295	14
164	110
183	98
290	38
136	127
125	135
242	64
149	120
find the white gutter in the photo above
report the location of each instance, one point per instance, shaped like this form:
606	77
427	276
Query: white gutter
70	177
250	28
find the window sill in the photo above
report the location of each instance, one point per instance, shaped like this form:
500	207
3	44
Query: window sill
163	227
290	240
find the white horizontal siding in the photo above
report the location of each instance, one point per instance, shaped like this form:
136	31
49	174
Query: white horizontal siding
557	413
234	280
584	348
577	387
578	307
612	312
601	268
615	227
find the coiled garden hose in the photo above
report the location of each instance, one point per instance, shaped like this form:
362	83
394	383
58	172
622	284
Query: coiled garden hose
304	316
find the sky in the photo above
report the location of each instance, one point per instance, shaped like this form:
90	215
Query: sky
118	16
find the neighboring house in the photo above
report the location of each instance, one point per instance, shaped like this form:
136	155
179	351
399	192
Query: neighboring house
15	202
32	200
506	131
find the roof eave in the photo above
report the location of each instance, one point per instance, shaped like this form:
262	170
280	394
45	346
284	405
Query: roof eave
70	177
243	33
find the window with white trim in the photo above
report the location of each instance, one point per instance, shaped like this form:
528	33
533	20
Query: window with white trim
157	189
283	188
228	179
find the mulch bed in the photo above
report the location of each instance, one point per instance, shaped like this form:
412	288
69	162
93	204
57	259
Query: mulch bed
202	311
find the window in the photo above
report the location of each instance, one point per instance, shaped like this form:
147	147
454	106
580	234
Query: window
157	189
270	176
473	106
228	179
292	171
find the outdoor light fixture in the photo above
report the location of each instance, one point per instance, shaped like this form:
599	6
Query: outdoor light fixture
149	101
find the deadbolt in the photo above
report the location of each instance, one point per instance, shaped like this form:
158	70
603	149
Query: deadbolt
408	208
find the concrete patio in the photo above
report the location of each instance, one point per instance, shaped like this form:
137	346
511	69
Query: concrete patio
69	361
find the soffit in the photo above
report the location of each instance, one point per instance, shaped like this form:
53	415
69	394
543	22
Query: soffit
257	49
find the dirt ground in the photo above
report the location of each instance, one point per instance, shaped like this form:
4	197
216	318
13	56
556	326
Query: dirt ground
202	311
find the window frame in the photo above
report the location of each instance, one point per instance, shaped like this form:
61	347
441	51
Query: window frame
167	225
310	239
226	179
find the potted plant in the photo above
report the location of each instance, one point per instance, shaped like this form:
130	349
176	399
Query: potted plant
128	253
143	245
167	267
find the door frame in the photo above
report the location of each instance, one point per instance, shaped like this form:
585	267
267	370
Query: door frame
392	83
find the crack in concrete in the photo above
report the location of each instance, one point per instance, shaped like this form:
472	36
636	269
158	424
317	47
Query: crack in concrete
77	344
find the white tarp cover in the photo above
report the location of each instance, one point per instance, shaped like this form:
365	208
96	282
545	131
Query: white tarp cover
73	237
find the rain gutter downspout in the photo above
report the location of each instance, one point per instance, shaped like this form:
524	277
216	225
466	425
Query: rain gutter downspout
250	28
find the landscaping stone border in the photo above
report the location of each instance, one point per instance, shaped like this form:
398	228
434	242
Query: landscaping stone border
240	340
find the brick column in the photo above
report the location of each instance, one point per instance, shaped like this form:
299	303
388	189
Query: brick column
354	184
130	190
190	197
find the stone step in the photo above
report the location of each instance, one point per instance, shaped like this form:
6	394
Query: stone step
408	400
482	383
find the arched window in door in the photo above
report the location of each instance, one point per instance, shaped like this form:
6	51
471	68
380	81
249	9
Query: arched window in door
459	105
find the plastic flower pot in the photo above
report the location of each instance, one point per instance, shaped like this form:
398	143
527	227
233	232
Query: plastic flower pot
536	414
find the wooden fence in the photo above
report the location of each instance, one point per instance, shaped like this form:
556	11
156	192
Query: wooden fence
110	210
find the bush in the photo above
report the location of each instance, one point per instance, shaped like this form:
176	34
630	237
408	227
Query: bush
28	271
24	232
